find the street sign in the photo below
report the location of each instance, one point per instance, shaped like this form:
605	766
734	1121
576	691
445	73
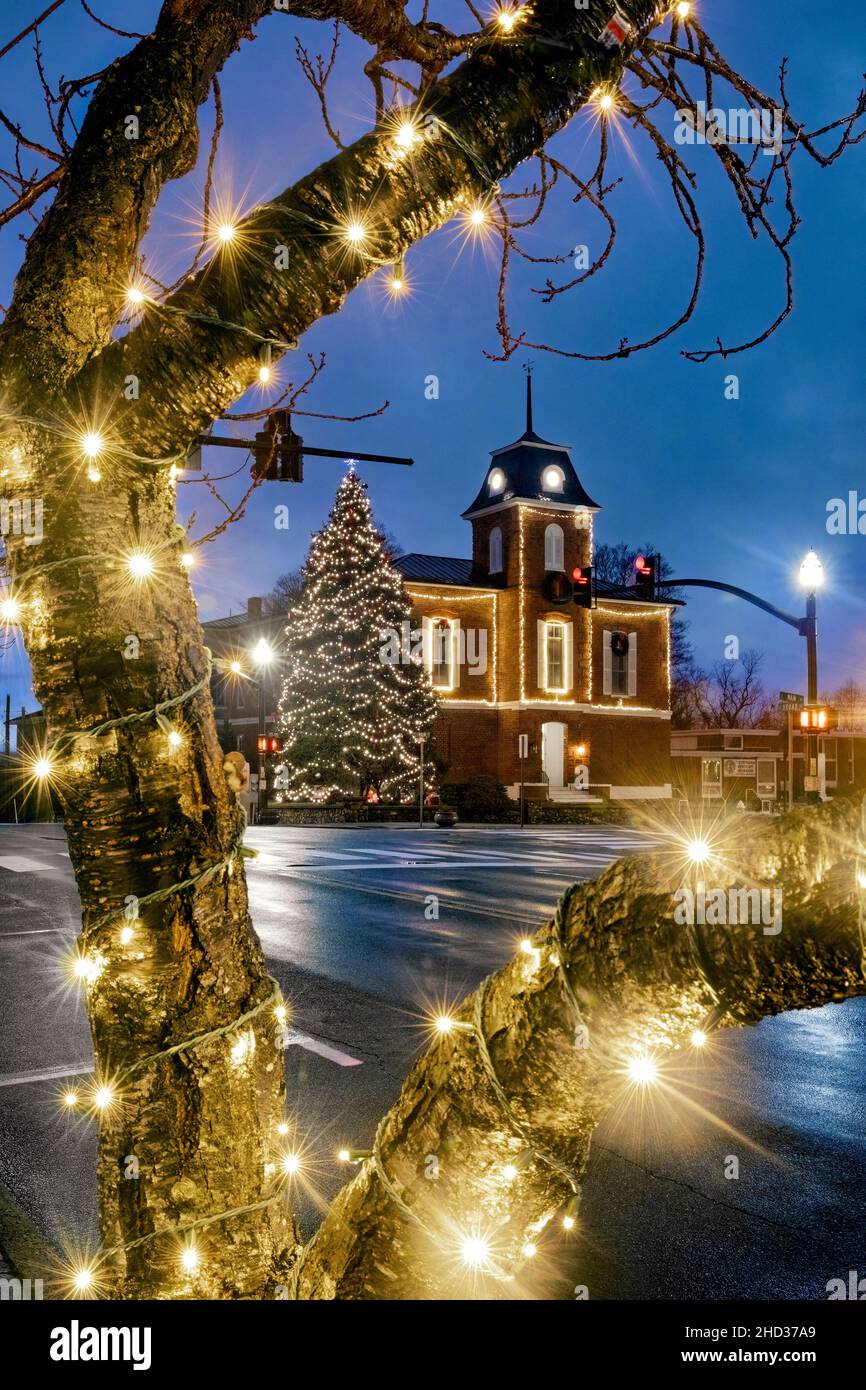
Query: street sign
790	701
523	745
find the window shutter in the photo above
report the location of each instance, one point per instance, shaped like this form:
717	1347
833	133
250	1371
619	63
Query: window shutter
456	665
427	644
632	663
542	664
568	657
607	682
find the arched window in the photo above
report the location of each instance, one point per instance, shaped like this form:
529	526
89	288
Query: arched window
554	547
495	565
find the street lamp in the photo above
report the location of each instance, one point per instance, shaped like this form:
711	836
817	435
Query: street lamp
262	656
811	579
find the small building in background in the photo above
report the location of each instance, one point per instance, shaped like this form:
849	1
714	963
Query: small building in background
751	765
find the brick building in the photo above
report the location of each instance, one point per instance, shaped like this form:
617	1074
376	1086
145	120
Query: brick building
510	653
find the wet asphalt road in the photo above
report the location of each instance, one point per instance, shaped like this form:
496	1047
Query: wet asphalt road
341	914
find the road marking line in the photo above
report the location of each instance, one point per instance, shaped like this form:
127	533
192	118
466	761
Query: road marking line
36	931
296	1039
17	864
473	908
24	1078
565	866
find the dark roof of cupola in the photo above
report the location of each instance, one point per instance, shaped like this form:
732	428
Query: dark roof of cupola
523	466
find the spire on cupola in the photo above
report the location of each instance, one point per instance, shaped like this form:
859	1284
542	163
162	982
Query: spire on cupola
533	470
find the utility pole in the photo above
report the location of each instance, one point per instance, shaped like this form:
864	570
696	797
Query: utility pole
522	754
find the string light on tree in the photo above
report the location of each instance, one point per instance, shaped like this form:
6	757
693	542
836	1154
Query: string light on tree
643	1070
10	609
92	444
190	1259
475	1252
83	1279
508	19
569	1216
698	1038
140	565
355	233
407	135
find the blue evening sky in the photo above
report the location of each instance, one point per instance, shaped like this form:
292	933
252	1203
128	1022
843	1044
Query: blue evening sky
734	490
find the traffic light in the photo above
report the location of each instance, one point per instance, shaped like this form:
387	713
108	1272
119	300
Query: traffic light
278	451
819	718
557	587
269	743
583	586
645	570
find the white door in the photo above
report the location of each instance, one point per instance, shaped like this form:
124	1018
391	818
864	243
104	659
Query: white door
553	753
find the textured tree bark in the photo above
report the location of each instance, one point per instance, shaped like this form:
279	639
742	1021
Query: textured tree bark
140	818
397	1230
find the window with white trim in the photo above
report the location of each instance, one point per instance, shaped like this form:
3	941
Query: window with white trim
442	665
495	548
619	663
554	547
554	656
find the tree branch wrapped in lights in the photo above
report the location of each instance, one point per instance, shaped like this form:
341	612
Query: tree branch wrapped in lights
506	1173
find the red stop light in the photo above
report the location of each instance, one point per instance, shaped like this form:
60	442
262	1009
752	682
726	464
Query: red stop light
582	577
269	743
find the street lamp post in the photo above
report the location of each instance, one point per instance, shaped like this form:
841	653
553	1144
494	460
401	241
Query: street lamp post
422	741
811	578
262	656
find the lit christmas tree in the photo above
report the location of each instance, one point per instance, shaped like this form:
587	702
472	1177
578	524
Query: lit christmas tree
351	720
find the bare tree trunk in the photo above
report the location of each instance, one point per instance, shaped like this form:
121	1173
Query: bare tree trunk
440	1171
142	815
